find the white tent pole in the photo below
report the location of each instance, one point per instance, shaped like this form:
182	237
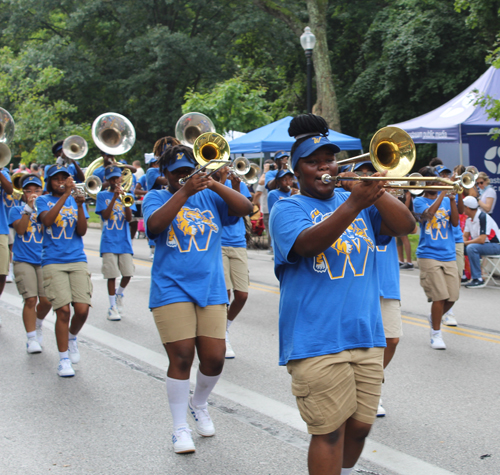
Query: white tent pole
461	152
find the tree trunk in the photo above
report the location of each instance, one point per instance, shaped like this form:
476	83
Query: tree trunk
326	103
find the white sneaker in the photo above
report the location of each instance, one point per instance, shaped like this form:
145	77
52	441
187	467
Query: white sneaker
113	314
229	349
9	279
39	335
204	425
152	256
380	409
119	303
182	440
32	346
449	319
437	342
73	353
65	370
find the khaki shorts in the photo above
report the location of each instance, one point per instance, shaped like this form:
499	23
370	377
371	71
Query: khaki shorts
439	279
391	317
459	248
330	389
67	283
29	280
4	254
12	236
235	263
184	320
115	265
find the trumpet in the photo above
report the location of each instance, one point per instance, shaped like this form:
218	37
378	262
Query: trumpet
126	200
89	188
252	176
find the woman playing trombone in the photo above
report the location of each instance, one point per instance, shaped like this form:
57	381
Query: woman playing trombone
188	293
331	333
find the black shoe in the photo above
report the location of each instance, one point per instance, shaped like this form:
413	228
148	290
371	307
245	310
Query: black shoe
407	265
476	284
464	281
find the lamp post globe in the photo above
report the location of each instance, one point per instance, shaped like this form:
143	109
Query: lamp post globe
308	40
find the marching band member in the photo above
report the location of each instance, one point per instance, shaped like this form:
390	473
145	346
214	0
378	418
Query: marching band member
234	256
436	254
188	296
108	160
116	243
331	333
284	182
5	189
154	176
65	275
72	165
28	263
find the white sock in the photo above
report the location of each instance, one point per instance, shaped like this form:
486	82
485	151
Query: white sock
203	388
63	354
31	334
71	336
120	290
228	324
112	300
346	471
11	269
39	323
178	396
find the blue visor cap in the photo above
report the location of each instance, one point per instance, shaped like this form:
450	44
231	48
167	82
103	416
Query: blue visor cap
441	168
279	155
110	172
180	161
32	180
311	144
55	169
282	173
357	166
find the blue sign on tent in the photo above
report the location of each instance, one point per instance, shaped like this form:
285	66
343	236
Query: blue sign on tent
274	137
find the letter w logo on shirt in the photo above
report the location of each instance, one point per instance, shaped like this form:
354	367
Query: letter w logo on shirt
438	226
349	250
117	218
34	231
193	226
63	226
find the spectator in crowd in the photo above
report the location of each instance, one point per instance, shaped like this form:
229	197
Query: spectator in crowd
140	171
487	194
260	199
483	231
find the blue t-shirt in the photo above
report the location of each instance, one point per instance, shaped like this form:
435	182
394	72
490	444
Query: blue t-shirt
4	225
270	175
143	182
134	184
234	235
99	172
115	236
151	175
187	266
457	230
436	236
275	195
330	302
28	247
387	262
61	242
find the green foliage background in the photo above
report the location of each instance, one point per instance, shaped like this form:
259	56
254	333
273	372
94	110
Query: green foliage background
63	63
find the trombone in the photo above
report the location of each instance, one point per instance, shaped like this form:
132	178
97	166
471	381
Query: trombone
252	176
392	150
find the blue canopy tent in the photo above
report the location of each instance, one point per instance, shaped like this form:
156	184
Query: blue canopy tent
274	137
462	123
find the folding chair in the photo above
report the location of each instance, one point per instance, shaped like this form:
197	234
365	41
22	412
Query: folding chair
490	266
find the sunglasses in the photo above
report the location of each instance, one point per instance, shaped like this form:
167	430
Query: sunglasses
479	182
364	173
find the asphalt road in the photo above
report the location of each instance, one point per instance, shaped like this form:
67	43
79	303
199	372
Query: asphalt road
112	417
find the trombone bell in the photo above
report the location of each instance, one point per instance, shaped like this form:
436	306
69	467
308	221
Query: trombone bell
211	146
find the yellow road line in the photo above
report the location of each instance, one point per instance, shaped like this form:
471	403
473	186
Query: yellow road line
458	331
263	289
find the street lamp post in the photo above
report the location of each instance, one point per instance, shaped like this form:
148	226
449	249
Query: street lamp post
308	40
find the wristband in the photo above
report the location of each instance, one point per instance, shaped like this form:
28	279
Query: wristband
28	209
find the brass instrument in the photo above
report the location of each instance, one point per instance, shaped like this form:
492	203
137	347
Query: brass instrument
252	176
126	200
190	126
113	133
75	147
16	184
7	128
89	188
211	151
